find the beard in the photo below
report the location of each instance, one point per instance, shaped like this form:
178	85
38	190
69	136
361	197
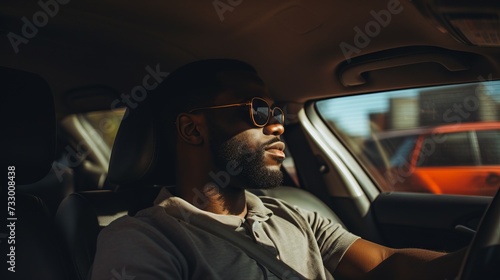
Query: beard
249	159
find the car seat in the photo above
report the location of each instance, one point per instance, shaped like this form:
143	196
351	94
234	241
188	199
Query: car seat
82	215
28	144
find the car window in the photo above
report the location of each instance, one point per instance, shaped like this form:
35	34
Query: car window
89	141
105	123
455	151
489	145
443	139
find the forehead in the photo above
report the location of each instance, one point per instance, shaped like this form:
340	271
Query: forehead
241	86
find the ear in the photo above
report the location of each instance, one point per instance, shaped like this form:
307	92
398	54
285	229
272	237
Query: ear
188	129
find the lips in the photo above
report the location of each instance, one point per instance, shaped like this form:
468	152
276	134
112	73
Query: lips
276	149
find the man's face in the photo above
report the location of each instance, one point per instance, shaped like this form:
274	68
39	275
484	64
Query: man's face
255	152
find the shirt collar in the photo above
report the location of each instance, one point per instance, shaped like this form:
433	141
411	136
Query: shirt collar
256	209
181	209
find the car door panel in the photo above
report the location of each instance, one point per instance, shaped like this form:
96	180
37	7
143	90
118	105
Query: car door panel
430	221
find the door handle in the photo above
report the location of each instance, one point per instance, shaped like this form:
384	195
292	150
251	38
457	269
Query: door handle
465	229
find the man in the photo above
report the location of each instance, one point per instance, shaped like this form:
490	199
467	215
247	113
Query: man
224	122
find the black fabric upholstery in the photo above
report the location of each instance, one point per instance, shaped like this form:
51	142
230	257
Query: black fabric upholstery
53	188
28	143
28	124
139	155
77	221
80	217
38	253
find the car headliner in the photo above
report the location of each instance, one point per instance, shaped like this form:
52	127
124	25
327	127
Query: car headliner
294	45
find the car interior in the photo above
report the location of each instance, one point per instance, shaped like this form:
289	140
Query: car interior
82	148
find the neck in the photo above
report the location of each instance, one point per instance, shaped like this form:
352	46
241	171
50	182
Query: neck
196	186
224	201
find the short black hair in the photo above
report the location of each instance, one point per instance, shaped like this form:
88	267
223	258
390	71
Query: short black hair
195	84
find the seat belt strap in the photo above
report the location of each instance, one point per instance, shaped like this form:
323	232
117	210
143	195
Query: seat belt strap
253	250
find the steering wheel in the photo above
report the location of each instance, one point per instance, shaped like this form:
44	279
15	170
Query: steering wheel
482	260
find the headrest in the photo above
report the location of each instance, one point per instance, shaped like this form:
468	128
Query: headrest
29	126
140	155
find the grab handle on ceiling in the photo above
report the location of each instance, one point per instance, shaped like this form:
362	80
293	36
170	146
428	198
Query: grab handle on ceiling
352	74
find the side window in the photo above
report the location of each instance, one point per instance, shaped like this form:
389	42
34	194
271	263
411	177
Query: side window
105	123
90	137
443	140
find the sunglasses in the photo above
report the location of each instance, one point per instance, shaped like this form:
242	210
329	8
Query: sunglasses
261	112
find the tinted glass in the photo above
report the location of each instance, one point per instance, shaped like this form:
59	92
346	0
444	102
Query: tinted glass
489	145
278	115
260	111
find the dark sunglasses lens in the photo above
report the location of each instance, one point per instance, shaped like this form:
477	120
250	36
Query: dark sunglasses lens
278	115
260	111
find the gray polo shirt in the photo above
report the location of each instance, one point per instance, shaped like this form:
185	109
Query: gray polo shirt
160	243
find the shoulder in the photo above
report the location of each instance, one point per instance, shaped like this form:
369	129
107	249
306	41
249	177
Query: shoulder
301	218
315	215
146	227
132	243
284	208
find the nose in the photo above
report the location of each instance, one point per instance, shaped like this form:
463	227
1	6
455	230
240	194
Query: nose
275	129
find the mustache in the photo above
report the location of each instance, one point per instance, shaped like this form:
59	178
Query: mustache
272	141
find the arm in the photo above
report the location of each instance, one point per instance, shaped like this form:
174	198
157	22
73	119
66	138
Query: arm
367	260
